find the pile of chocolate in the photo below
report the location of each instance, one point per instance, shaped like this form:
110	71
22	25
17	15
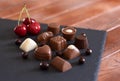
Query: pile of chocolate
52	47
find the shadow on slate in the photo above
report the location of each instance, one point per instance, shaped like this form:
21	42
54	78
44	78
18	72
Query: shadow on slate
13	68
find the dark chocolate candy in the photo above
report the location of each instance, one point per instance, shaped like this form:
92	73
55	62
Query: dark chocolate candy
81	42
88	52
61	64
54	27
24	55
44	65
44	37
58	43
71	52
69	33
81	60
43	53
18	42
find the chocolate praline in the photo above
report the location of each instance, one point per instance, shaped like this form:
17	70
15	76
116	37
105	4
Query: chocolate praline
54	28
43	53
58	43
69	33
81	41
44	37
60	64
71	52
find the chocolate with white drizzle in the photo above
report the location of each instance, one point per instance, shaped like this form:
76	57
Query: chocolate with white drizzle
71	52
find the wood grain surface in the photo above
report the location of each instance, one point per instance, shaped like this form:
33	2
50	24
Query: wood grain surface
91	14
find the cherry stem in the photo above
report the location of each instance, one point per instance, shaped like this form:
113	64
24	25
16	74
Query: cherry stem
26	10
20	15
21	12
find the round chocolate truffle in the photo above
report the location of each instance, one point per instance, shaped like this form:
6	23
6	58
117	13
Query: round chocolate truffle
18	42
24	55
88	52
81	60
69	33
54	28
44	65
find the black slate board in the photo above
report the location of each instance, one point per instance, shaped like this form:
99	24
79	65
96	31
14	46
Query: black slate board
14	68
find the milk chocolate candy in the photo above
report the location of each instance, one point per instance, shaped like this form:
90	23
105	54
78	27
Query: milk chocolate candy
81	42
54	27
61	64
71	52
44	37
58	43
43	53
69	33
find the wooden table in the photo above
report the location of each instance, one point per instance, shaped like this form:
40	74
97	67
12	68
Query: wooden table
93	14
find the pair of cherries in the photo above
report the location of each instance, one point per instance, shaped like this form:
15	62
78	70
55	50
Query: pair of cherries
28	25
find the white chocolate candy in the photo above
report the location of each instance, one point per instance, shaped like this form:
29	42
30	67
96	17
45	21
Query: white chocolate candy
73	47
69	30
28	45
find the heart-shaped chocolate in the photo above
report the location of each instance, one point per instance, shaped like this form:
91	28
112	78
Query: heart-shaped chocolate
43	53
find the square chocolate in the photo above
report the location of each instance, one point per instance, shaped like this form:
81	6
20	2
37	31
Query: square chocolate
58	43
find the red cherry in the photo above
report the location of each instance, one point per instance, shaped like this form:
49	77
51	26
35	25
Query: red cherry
26	21
33	28
20	30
